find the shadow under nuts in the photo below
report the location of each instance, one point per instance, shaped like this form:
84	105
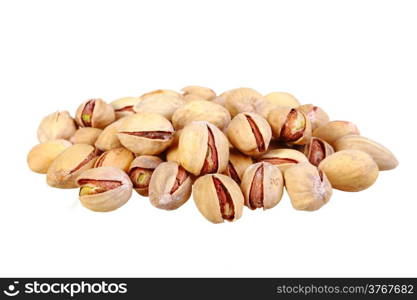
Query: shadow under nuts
218	198
140	172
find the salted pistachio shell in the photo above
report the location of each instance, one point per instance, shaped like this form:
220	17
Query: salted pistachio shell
141	170
65	169
334	130
108	139
218	198
118	158
290	125
283	158
384	158
241	100
104	189
237	165
317	150
201	111
350	170
262	186
170	186
317	116
58	125
86	135
146	133
308	187
189	92
124	107
159	93
249	133
203	148
275	100
42	155
95	113
164	105
172	153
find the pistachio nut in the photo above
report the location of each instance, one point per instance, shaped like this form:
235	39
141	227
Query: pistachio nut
140	172
350	170
262	185
317	150
124	107
218	198
170	186
159	93
241	100
86	135
334	130
146	134
108	139
218	100
42	155
237	165
104	189
65	169
117	157
283	158
384	158
95	113
172	153
290	125
275	100
58	125
249	133
201	111
164	105
317	116
308	187
203	148
191	92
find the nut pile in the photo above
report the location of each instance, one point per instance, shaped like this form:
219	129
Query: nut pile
240	148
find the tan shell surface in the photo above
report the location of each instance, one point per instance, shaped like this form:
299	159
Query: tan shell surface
108	139
241	100
239	161
58	125
118	157
103	114
122	103
334	130
285	153
199	91
42	155
158	93
86	135
164	105
317	116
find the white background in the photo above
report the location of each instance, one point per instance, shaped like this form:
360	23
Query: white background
357	59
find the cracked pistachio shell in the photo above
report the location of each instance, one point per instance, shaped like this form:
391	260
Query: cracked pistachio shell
108	139
124	107
241	100
147	123
159	93
201	111
108	200
350	170
317	116
334	130
381	155
86	135
193	92
170	186
118	158
207	199
42	155
237	165
193	147
275	100
164	105
308	187
58	125
262	189
317	150
65	169
148	164
101	115
299	126
283	158
249	133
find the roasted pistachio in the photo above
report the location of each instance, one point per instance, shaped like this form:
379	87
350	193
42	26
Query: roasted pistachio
159	93
58	125
350	170
124	107
283	158
65	169
237	165
334	130
308	187
192	92
203	148
86	135
140	172
275	100
218	198
95	113
381	155
172	153
241	100
118	158
164	105
262	185
42	155
317	150
146	134
317	116
104	189
108	139
201	111
170	186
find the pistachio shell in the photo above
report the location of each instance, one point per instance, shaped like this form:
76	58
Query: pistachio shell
241	100
317	150
86	135
334	130
350	170
42	155
145	162
102	114
164	105
275	100
317	116
283	158
237	165
118	158
199	91
58	125
159	93
123	107
108	139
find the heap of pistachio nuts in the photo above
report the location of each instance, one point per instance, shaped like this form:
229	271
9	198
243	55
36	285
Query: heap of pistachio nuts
239	148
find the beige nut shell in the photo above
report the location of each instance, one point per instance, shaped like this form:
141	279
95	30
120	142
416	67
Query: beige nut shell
158	93
58	125
42	155
317	116
86	135
121	103
119	158
239	161
275	100
164	105
108	139
334	130
241	100
192	92
285	154
149	162
103	114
